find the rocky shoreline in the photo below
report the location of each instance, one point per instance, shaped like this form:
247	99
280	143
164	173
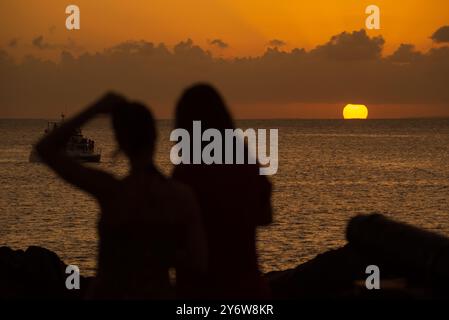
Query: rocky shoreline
413	264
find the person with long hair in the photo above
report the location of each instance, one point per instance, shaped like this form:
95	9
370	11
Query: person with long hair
234	199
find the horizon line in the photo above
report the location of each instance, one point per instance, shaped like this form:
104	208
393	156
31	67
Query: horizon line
264	119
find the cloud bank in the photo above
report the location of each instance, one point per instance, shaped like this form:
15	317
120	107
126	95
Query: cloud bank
441	35
348	68
219	43
40	43
276	43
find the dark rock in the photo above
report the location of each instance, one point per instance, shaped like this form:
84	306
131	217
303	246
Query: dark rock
413	264
36	273
328	275
335	274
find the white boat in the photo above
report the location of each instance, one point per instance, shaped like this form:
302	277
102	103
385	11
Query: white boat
78	147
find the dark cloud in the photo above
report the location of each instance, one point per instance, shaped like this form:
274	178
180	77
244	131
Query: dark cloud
219	43
406	53
441	35
40	43
352	46
276	43
137	47
189	49
439	56
347	68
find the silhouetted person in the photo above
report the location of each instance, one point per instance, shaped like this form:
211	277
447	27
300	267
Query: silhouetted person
148	224
234	200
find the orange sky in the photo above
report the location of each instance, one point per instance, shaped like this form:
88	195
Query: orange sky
246	26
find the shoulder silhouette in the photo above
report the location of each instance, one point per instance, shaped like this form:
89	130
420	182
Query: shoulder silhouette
149	224
234	200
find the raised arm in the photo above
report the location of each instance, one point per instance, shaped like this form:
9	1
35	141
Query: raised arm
51	150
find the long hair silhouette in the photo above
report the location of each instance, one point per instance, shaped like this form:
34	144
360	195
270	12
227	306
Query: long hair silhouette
202	102
233	199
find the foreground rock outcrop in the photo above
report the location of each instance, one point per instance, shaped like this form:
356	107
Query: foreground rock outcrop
414	264
36	273
340	274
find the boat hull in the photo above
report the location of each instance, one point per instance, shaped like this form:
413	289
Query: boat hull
95	157
88	158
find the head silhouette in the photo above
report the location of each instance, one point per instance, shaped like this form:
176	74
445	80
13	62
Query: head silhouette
203	103
134	130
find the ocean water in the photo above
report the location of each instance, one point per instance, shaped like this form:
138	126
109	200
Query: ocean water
329	171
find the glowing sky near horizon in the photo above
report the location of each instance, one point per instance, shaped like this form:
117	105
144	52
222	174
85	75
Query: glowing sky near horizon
247	26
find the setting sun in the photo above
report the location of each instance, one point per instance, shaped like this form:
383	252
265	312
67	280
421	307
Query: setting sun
355	111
